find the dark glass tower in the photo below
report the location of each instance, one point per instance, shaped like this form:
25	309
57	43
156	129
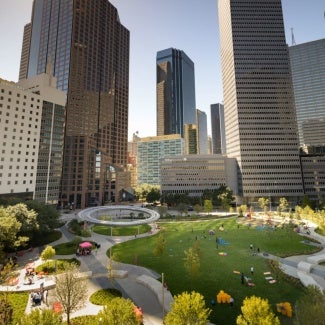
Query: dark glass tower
89	50
175	92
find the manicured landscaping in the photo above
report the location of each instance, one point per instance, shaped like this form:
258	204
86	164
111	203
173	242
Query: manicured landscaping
220	272
55	266
121	231
104	296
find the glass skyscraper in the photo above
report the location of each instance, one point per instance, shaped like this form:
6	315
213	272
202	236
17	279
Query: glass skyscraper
218	129
89	50
175	92
308	75
260	117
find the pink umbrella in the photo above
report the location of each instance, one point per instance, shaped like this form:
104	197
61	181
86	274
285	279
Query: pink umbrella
85	244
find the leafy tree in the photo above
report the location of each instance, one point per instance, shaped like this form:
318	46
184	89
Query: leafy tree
242	209
160	246
70	290
224	194
153	195
9	230
264	203
48	217
197	208
47	253
43	316
256	310
118	311
197	249
27	218
192	263
208	207
6	310
311	307
305	201
188	309
142	191
283	204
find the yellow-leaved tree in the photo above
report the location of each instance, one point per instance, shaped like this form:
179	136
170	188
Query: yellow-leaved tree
256	310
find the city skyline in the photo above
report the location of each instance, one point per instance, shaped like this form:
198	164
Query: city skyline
150	33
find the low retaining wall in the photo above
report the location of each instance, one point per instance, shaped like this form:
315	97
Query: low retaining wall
156	287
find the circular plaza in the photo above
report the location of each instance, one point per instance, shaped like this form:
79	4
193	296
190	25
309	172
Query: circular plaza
119	215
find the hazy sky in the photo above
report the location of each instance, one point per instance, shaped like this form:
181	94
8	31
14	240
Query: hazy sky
154	25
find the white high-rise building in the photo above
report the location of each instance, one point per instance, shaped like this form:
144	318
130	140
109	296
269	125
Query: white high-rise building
260	117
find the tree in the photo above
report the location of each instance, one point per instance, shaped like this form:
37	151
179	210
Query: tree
153	195
118	311
47	253
160	246
242	209
188	309
256	310
311	307
27	218
182	208
197	208
283	205
43	316
70	290
9	230
192	263
264	203
208	207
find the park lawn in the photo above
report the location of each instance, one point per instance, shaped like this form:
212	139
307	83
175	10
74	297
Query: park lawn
121	231
217	272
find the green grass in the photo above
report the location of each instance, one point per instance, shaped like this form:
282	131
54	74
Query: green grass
121	231
49	266
104	296
216	272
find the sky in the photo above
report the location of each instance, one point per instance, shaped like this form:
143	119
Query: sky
155	25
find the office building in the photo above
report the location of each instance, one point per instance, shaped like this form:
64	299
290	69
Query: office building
89	49
308	75
191	139
151	150
218	129
260	117
193	174
175	92
313	170
32	117
202	132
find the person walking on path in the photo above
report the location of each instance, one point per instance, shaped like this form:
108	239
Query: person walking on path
242	277
252	270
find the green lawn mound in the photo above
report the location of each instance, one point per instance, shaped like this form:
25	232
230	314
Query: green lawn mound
242	247
104	296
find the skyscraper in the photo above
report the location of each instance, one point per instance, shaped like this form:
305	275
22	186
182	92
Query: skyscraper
218	129
89	50
260	118
202	134
175	92
308	74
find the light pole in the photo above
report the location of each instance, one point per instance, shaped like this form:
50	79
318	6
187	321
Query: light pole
163	296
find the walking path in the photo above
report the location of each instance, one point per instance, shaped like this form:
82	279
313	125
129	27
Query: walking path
141	285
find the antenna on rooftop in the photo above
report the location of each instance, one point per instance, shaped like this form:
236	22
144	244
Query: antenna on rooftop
293	42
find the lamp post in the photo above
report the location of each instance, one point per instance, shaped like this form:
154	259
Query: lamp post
163	296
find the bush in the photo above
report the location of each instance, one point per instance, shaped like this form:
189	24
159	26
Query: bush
104	296
49	267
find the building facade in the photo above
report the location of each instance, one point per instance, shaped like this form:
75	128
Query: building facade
202	128
308	74
32	119
175	92
93	69
151	150
193	174
218	129
313	170
260	117
191	139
